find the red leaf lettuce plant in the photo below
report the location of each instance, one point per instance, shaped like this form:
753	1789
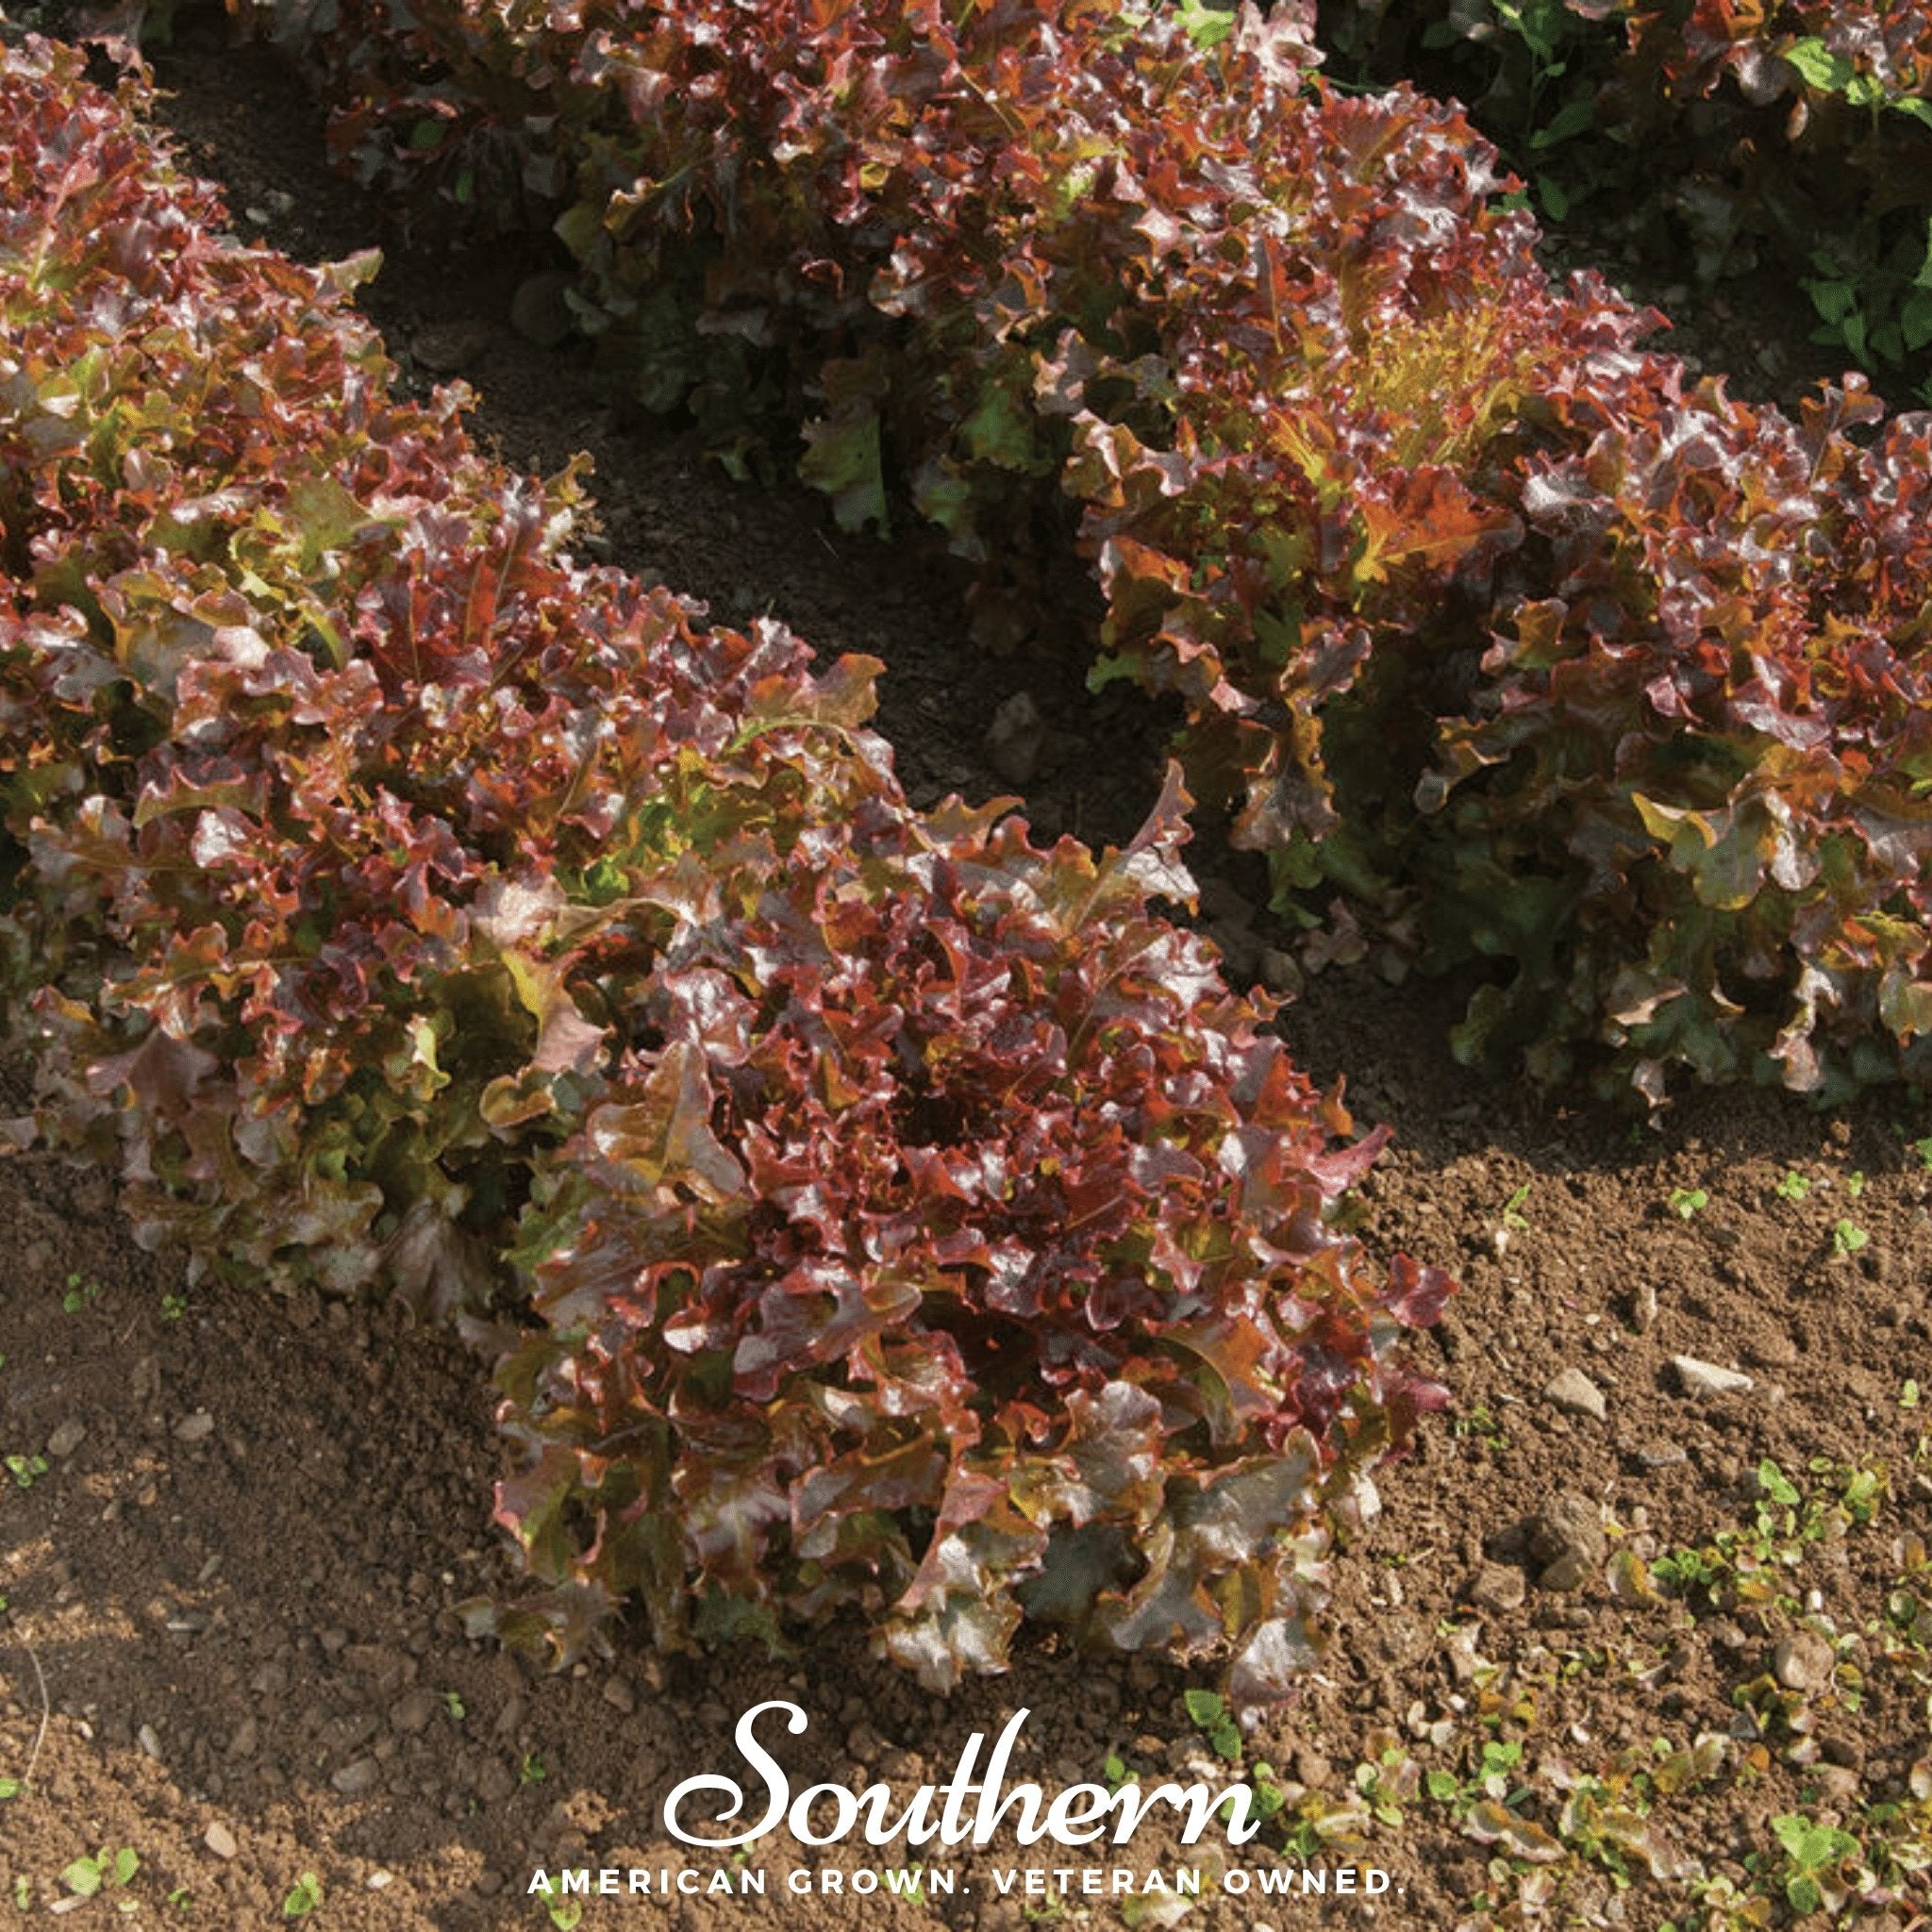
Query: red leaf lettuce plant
1509	632
876	1212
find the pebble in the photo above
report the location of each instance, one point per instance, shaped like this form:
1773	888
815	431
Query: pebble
247	1734
412	1712
1662	1454
1706	1379
379	1881
66	1438
1278	971
1221	899
1566	1539
149	1740
1015	739
445	347
1802	1662
357	1778
619	1695
539	311
195	1427
219	1840
1575	1393
1497	1587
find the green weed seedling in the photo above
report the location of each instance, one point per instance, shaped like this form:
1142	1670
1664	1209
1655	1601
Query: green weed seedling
86	1877
1793	1186
564	1913
26	1470
1813	1854
1848	1238
532	1771
1513	1217
1209	1713
1481	1426
304	1896
1686	1202
80	1294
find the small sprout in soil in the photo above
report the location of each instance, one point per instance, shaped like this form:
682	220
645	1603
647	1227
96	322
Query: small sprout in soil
1848	1238
454	1703
1924	1150
81	1294
1855	1183
25	1470
1383	1785
532	1771
1794	1187
1812	1854
1209	1711
1908	1394
181	1899
174	1306
1480	1423
1114	1769
23	1893
304	1896
9	1788
1513	1217
86	1877
1775	1486
1687	1202
564	1913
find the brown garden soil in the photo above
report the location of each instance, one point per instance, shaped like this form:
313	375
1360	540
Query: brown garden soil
232	1546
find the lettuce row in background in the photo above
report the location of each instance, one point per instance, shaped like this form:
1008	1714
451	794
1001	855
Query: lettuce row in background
1487	620
1791	140
869	1210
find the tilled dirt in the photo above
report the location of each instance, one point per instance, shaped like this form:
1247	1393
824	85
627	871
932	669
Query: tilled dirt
235	1529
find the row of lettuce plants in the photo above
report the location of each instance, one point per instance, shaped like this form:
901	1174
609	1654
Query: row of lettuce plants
1792	140
1489	623
869	1210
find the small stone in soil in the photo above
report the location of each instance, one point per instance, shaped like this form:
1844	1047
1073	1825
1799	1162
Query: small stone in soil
1566	1539
1575	1393
219	1840
1706	1379
1802	1662
1015	739
66	1438
445	347
410	1713
195	1427
1497	1587
359	1779
619	1695
539	311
